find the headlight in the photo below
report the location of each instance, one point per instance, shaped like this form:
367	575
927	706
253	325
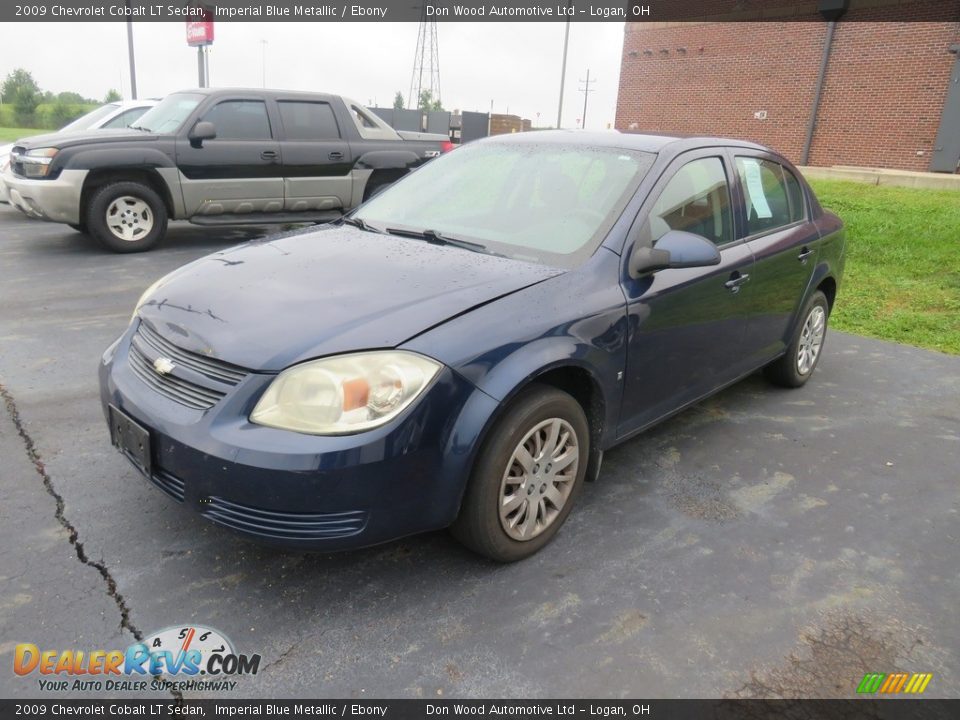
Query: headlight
36	162
344	394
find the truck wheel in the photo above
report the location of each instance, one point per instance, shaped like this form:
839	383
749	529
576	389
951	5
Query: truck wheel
127	217
379	182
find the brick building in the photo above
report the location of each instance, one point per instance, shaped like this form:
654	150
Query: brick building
885	100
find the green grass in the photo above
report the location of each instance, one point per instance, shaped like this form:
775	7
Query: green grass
902	276
9	134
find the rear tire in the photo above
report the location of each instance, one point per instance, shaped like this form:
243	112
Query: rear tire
796	366
527	476
379	182
127	217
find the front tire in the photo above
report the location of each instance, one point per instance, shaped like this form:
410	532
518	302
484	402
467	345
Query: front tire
79	227
796	366
127	217
527	476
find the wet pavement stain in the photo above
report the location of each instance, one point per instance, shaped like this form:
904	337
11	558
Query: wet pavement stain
831	660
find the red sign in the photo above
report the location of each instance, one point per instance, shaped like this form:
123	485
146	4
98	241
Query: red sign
200	32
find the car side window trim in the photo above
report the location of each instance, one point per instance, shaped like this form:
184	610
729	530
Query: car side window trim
634	234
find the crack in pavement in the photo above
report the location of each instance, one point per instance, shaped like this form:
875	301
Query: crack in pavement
74	536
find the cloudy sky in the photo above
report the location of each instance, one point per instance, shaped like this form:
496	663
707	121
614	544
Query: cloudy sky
514	65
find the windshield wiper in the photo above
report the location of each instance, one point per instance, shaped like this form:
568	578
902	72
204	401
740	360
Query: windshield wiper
437	238
360	223
139	127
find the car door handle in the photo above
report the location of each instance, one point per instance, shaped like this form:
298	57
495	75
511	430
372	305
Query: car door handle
735	281
268	155
335	155
805	252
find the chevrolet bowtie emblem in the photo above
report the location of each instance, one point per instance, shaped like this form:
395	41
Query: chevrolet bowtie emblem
163	366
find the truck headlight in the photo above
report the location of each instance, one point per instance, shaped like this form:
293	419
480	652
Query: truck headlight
36	162
346	393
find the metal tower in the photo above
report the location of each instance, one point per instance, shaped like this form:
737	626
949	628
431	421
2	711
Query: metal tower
426	63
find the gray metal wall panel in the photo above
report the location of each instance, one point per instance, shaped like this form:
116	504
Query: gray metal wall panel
475	126
438	121
946	149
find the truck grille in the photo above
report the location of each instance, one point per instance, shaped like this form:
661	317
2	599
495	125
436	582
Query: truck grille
147	346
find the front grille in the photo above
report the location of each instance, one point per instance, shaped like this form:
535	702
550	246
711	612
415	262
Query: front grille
193	391
284	525
16	167
176	389
170	484
209	367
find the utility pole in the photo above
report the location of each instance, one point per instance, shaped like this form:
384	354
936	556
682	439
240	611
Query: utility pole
586	93
133	66
563	68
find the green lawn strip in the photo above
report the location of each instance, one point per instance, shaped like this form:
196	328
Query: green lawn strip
902	277
8	134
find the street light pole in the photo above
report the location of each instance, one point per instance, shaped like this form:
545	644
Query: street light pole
133	65
563	68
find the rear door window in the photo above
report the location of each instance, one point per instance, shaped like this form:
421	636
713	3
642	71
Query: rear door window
771	194
308	120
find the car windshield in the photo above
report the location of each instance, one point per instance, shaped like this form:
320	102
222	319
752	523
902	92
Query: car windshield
169	114
543	202
91	119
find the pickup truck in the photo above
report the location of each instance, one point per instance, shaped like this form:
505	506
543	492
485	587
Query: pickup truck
215	157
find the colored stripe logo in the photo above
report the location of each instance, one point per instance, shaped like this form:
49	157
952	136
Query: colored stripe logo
894	683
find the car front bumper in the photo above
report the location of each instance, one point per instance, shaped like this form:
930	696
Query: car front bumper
57	200
302	491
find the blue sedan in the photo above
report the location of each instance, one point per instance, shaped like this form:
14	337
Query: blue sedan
462	349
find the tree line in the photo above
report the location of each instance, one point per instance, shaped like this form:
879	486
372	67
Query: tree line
23	94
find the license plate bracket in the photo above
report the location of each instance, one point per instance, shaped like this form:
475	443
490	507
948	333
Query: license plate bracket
132	439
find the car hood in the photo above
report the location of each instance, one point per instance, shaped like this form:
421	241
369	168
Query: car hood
269	304
84	137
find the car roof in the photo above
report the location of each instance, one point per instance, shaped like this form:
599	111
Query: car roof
626	139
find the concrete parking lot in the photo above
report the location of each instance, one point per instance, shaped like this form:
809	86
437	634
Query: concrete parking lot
765	543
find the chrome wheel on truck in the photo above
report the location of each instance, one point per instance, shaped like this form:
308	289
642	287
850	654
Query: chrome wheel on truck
126	216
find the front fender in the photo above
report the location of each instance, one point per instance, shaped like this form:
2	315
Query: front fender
573	320
106	158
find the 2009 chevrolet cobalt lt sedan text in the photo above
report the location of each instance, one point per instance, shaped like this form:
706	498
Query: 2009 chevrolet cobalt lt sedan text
463	348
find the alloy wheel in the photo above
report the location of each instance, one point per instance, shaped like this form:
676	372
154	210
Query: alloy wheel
538	479
811	339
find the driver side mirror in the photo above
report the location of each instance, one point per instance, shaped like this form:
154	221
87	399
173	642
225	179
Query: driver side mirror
676	249
203	130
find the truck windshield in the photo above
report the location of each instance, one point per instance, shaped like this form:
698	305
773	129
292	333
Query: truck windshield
169	114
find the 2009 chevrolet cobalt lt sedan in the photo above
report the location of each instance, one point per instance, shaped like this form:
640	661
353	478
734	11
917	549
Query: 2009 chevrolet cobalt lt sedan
462	349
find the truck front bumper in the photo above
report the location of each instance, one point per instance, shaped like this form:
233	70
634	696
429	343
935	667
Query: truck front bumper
57	200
